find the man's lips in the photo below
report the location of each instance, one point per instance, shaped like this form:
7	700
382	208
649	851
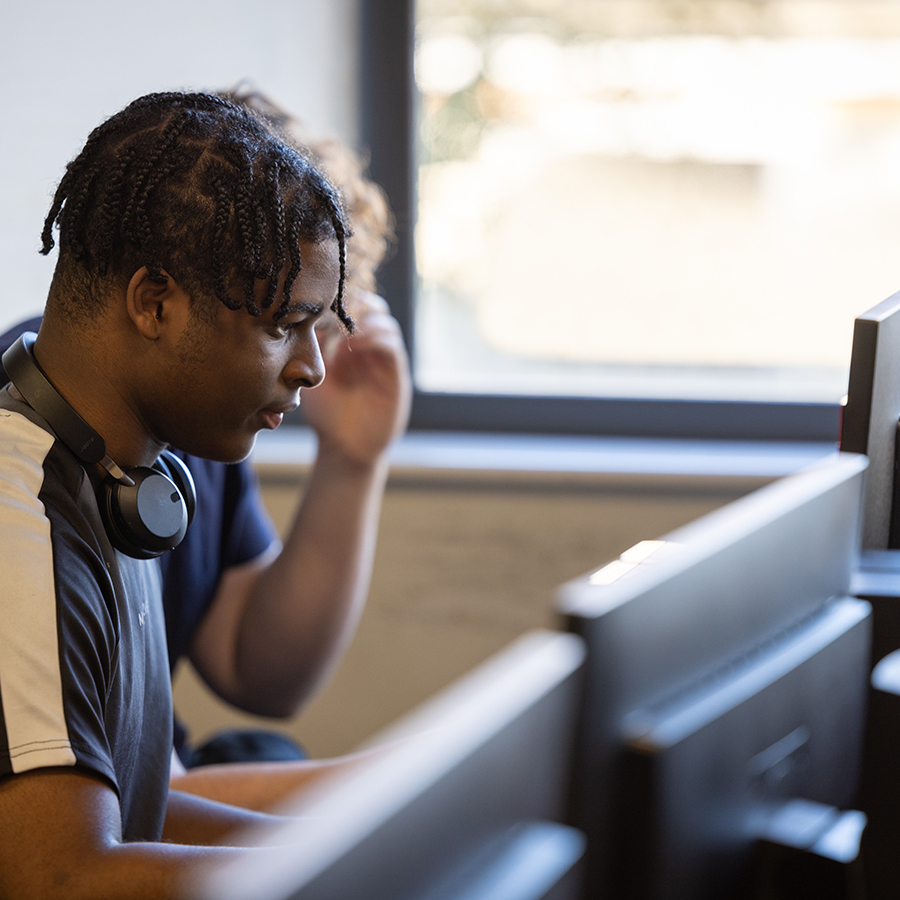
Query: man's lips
274	417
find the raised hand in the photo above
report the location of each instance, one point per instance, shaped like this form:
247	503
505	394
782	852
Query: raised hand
363	403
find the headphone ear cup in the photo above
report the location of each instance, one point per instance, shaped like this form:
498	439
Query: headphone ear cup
175	467
144	519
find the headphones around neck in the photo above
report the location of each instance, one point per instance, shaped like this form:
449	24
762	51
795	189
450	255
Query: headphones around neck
145	511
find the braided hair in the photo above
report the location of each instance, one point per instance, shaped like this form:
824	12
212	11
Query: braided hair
365	203
200	187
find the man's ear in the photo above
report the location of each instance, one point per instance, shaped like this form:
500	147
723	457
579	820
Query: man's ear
153	304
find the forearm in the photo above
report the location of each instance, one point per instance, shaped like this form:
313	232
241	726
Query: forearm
133	871
203	819
60	837
307	604
261	785
198	832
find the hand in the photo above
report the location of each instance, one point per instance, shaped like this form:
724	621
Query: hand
363	403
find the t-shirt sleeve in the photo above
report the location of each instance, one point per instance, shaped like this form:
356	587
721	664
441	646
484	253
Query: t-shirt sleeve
58	637
249	529
230	527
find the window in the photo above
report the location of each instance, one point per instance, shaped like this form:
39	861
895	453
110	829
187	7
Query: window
634	216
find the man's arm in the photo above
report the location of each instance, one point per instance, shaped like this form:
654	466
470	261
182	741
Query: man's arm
61	837
198	820
263	786
276	626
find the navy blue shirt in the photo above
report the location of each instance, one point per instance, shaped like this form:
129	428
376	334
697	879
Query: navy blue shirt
230	527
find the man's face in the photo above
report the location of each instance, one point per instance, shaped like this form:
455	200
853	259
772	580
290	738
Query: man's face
238	374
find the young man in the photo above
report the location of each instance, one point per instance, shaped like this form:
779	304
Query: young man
197	254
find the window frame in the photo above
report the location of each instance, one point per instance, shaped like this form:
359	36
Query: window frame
388	108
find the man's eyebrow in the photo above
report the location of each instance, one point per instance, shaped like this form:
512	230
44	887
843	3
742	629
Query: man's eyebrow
313	309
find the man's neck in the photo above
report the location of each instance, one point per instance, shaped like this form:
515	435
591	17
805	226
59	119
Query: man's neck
89	369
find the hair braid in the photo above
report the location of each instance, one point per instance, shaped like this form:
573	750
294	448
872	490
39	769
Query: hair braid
198	186
76	166
278	231
338	304
296	263
156	169
109	208
73	208
143	227
250	242
329	199
47	242
223	214
144	176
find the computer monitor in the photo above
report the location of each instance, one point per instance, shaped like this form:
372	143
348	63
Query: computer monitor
730	599
704	776
462	802
870	417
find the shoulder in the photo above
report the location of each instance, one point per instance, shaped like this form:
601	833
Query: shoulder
50	528
36	471
31	468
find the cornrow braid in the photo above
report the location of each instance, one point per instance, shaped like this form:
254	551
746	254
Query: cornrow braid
296	261
195	186
330	200
109	209
338	305
251	238
221	225
76	166
278	235
76	204
151	174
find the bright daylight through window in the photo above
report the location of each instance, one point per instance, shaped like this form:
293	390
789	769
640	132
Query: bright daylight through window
653	198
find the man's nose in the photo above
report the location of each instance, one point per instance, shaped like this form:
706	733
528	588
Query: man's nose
306	368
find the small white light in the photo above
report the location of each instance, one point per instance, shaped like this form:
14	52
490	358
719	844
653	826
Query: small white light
611	572
641	551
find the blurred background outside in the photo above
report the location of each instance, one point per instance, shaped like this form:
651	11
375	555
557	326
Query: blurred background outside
654	198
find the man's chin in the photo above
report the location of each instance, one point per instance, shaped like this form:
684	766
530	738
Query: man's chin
243	453
232	452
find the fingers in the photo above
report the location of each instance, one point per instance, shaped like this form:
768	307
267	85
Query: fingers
364	301
373	318
364	402
376	328
359	304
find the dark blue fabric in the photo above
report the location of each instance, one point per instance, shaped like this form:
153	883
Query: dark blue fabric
230	527
246	746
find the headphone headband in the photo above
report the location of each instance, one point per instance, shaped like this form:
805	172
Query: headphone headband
25	373
28	377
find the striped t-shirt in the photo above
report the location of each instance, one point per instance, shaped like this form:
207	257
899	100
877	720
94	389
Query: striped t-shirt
84	677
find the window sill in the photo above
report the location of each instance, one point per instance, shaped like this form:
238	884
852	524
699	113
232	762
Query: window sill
598	461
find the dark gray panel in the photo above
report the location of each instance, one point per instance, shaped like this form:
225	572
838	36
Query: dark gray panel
873	410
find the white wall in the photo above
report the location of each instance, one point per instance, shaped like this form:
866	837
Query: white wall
66	66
